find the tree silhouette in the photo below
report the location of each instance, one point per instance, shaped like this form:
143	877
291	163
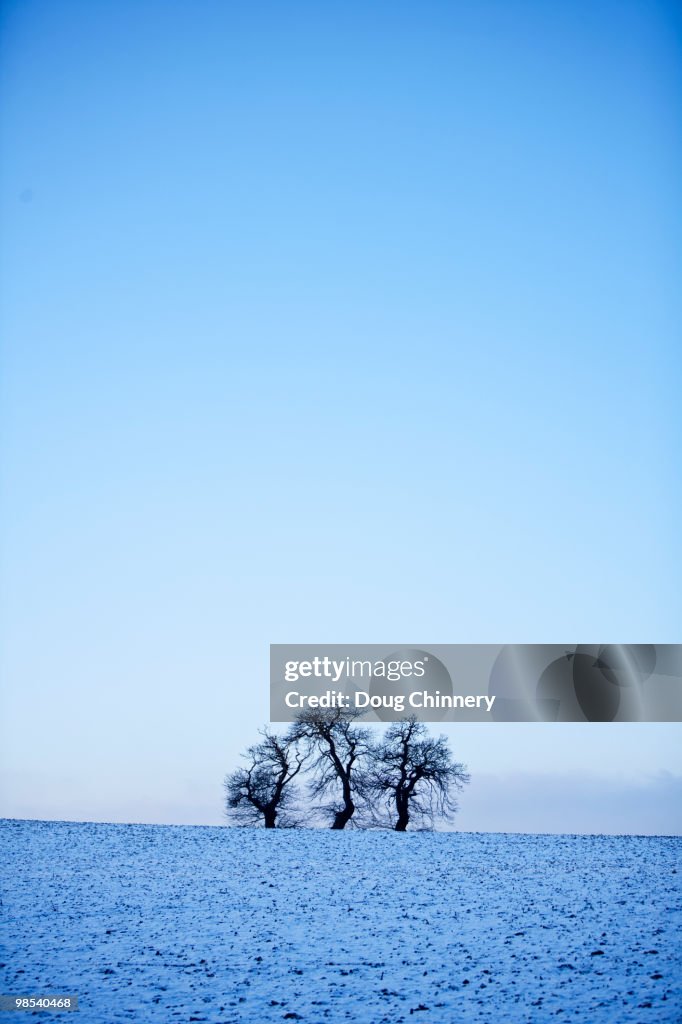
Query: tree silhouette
263	791
339	749
415	775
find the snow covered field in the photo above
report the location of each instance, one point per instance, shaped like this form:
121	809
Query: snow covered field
155	923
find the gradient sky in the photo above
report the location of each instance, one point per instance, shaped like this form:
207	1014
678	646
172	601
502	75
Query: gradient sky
334	322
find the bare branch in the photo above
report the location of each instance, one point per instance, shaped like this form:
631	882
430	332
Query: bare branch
415	776
262	793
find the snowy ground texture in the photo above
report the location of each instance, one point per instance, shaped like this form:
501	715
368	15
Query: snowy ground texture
155	923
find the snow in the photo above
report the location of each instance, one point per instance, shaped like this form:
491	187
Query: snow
161	923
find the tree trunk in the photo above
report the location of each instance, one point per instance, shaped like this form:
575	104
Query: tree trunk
270	815
342	817
402	807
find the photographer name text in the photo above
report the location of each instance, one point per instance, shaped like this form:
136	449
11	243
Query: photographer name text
362	700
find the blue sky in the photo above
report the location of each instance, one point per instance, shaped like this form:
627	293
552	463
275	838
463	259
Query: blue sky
332	323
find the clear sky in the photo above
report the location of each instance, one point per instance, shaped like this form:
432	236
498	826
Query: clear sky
333	322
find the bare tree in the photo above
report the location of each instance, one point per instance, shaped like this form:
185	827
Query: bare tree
263	790
338	747
416	775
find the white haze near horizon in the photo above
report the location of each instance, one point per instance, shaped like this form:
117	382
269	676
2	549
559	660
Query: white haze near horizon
568	778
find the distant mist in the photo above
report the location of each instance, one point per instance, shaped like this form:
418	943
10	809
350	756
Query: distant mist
523	802
565	803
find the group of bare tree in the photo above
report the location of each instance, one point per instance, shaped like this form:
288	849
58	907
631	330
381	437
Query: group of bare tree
327	768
